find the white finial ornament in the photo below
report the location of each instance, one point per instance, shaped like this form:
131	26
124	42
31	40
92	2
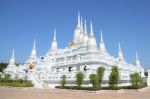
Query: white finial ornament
102	41
137	62
102	45
120	54
34	44
85	28
33	52
85	36
54	42
78	25
91	29
92	45
12	60
81	25
54	38
13	54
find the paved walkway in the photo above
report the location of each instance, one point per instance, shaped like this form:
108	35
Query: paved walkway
31	93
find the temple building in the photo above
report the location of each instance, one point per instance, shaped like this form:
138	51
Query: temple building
83	54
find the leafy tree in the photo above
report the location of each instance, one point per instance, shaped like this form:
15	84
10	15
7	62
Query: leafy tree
136	79
3	66
7	77
100	74
63	81
94	80
114	76
79	78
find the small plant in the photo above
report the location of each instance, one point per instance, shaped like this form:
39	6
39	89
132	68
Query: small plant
79	79
94	80
63	81
136	80
100	74
114	77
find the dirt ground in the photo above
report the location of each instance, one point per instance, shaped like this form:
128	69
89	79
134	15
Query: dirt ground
31	93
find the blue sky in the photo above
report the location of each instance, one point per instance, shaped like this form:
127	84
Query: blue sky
124	21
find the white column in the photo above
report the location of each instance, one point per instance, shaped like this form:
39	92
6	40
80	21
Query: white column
142	73
148	78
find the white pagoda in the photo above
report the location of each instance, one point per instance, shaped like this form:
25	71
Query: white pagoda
83	54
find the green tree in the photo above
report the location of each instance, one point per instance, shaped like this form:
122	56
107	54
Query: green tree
63	81
3	66
7	77
0	76
100	74
114	76
79	79
136	79
94	80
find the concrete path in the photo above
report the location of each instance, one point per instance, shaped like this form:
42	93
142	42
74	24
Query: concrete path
31	93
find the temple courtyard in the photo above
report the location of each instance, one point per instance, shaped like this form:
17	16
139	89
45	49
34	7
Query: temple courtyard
31	93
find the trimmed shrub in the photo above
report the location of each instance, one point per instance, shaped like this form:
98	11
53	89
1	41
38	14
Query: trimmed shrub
63	81
79	79
94	80
100	74
114	77
136	80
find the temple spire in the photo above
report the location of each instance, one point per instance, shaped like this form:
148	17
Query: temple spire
33	52
34	45
54	37
78	24
102	41
91	41
12	59
85	28
54	42
137	62
13	54
91	29
85	36
81	25
120	54
102	45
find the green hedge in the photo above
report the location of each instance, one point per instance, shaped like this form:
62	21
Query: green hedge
17	84
100	88
7	81
78	88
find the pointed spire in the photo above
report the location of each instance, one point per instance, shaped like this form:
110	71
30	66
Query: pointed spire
13	54
120	48
81	22
34	45
54	38
81	25
12	59
33	52
91	41
137	62
78	24
91	30
102	41
102	45
85	28
54	42
120	54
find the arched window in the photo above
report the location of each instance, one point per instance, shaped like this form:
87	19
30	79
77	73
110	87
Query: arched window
70	69
85	68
